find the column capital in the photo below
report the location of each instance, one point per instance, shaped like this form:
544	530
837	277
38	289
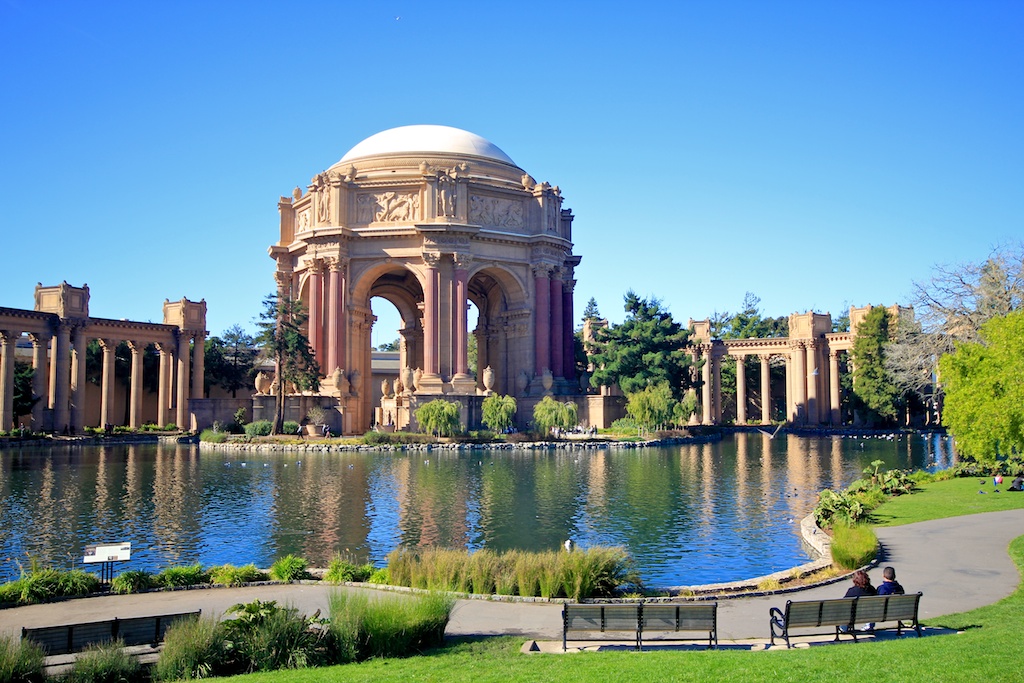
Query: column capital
337	265
431	259
135	346
108	344
7	336
462	260
542	270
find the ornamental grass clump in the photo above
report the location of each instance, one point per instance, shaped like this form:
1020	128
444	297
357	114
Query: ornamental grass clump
445	569
289	568
342	570
132	581
230	575
596	571
20	660
104	663
193	648
854	545
388	625
189	575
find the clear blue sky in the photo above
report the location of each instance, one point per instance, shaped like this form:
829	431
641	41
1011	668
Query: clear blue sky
815	153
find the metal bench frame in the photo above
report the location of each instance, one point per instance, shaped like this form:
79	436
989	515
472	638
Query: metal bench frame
843	613
71	638
637	618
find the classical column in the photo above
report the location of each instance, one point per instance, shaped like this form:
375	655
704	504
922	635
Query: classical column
78	379
741	390
333	316
199	365
557	322
568	338
459	311
60	377
39	343
431	317
163	392
833	387
812	371
135	390
716	389
705	387
8	341
542	319
799	380
316	312
766	390
107	382
181	417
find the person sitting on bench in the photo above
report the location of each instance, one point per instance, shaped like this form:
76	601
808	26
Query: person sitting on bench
889	585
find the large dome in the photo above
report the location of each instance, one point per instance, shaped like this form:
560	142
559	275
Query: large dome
426	139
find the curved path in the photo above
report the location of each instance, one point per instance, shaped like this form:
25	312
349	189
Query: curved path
959	563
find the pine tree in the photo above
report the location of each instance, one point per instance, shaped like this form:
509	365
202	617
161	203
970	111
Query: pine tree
282	338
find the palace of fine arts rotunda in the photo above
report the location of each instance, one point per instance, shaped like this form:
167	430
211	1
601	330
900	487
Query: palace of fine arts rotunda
431	218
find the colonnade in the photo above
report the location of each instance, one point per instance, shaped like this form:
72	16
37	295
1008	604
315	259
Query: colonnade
60	329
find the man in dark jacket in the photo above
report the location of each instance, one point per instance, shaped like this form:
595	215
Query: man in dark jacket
890	586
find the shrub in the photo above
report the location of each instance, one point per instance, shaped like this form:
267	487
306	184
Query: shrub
835	507
193	648
265	637
290	427
230	575
240	418
132	581
289	568
189	575
104	663
854	545
77	582
212	436
317	415
381	576
383	438
259	428
20	660
498	412
766	585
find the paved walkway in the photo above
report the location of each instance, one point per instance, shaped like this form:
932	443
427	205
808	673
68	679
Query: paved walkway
958	563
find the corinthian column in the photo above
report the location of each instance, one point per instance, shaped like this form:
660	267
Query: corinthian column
199	365
766	390
107	382
431	316
316	313
78	379
812	372
459	311
542	319
60	377
833	387
181	416
163	392
135	392
741	390
8	341
705	388
39	343
557	357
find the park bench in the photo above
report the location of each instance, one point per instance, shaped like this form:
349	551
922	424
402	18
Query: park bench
878	609
842	613
62	640
638	618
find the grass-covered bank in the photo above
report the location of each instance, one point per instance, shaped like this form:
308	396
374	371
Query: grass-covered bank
986	651
947	498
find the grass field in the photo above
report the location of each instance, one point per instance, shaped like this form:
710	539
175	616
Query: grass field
988	649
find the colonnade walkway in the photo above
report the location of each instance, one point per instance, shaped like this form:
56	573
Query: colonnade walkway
959	563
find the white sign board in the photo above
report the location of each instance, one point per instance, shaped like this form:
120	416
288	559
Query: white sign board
108	552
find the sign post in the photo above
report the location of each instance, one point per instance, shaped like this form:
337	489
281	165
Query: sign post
106	554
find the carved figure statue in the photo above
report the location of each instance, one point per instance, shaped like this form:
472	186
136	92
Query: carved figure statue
446	191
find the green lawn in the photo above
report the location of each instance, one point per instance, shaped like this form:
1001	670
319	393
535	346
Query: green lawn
950	498
988	650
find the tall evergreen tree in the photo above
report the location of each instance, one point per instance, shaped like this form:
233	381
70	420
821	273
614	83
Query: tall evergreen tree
647	348
281	337
230	359
591	312
873	387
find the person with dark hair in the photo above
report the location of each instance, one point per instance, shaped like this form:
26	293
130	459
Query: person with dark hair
861	585
889	585
1018	484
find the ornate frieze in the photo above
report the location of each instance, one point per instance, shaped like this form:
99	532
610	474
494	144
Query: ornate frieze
496	212
303	221
387	207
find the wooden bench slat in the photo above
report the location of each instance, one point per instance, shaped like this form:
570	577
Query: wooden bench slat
636	618
60	640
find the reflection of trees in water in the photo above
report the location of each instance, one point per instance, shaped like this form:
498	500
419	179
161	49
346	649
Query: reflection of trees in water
688	513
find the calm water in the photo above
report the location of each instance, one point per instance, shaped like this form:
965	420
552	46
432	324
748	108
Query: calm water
689	514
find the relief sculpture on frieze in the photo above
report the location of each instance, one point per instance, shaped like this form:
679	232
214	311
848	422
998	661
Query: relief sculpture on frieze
387	207
496	212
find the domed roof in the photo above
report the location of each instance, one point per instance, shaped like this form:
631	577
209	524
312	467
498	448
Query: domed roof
426	139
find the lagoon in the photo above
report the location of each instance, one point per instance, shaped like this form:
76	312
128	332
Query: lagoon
689	514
